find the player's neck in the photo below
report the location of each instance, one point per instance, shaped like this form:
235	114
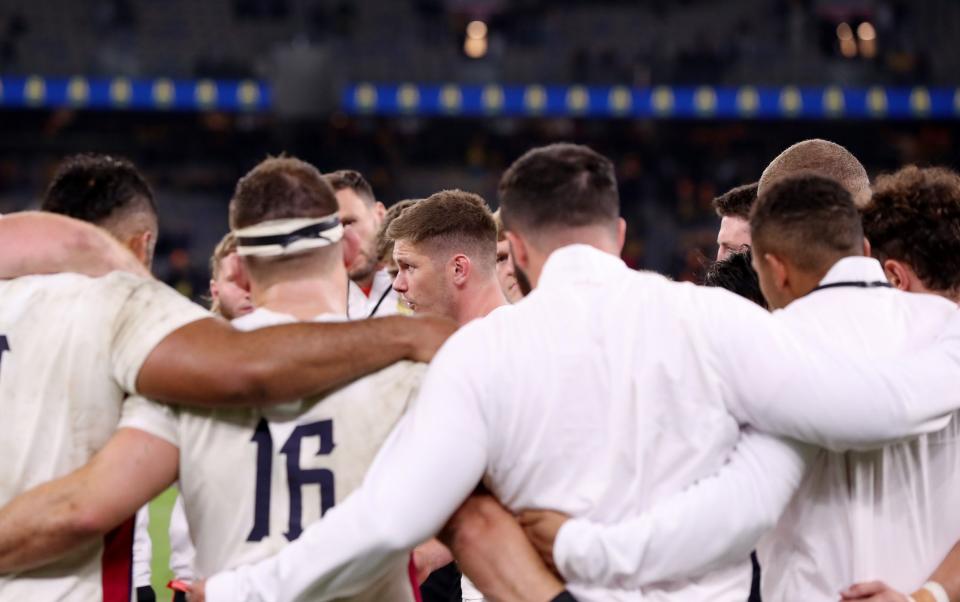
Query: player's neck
304	298
477	303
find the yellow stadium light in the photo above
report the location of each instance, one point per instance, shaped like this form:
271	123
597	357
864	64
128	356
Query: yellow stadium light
535	98
35	90
408	97
451	98
163	92
621	101
748	100
475	48
477	30
121	91
663	100
791	102
493	98
578	100
248	93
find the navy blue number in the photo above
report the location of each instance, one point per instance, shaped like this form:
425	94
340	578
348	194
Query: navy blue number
261	504
4	346
297	477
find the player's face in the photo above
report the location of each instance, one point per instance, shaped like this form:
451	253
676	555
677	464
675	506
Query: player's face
230	290
421	282
733	236
506	273
361	220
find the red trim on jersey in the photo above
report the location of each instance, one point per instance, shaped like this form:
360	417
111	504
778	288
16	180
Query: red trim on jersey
367	289
116	564
412	571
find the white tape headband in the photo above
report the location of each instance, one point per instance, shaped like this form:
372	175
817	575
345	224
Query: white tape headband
288	236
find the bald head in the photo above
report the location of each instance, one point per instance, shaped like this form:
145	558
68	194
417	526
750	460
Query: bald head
822	158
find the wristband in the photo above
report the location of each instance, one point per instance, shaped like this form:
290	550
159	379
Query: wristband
937	591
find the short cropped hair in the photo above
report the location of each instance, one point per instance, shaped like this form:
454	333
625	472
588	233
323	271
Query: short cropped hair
94	188
736	274
736	202
914	217
560	185
823	158
450	219
344	179
280	188
384	242
808	219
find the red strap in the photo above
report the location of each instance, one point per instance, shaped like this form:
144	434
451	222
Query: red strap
116	572
412	571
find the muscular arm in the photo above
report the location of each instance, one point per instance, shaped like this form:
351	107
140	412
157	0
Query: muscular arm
735	506
208	362
61	516
33	242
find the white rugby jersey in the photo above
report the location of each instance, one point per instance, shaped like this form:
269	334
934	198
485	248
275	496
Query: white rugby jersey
72	348
600	394
253	479
858	516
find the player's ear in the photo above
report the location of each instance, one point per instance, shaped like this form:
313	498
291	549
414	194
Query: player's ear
621	234
899	275
460	267
141	245
379	210
778	270
518	250
867	251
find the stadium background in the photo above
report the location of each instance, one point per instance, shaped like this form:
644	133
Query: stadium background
688	97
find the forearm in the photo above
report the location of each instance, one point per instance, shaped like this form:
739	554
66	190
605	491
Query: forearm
63	515
212	364
43	525
947	575
736	506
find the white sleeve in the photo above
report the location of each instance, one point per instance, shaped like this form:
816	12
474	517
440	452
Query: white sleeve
430	463
142	548
150	313
157	419
778	383
735	506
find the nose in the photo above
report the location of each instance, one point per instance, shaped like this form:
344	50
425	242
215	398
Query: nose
400	283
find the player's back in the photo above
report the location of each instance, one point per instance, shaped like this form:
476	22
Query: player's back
859	515
606	401
70	347
253	479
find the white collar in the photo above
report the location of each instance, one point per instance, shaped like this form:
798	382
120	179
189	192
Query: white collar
855	269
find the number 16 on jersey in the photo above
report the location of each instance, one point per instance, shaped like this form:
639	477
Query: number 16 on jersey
297	477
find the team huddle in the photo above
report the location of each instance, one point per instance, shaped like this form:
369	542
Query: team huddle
400	404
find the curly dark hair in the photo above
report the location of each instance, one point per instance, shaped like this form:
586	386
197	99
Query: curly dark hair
914	217
93	188
736	202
